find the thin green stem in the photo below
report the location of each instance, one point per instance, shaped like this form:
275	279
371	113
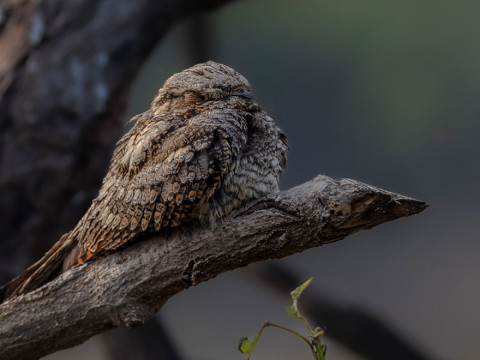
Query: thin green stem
255	340
307	325
265	324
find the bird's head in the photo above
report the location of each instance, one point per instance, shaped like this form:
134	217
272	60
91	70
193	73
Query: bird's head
200	84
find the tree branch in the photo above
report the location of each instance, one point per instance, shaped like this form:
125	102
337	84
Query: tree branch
129	286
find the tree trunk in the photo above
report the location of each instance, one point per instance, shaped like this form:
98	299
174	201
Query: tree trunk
65	70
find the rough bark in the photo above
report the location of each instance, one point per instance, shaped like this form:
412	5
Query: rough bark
128	287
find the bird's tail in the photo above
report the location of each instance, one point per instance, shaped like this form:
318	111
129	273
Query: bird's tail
44	270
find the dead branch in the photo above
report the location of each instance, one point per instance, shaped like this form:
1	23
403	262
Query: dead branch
128	287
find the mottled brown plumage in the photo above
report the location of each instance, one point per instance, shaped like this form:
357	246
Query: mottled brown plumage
204	148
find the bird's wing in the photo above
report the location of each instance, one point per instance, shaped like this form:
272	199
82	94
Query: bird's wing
159	179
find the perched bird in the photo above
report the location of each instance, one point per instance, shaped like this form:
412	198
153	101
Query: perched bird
204	148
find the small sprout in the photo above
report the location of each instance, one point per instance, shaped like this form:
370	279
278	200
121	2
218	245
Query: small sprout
312	339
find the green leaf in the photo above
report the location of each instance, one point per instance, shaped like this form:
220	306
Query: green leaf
295	294
245	346
292	311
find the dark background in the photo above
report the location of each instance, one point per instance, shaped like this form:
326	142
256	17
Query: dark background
382	92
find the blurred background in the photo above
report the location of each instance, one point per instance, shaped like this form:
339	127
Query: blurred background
381	92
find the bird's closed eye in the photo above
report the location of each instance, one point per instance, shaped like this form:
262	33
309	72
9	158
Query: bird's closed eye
193	98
